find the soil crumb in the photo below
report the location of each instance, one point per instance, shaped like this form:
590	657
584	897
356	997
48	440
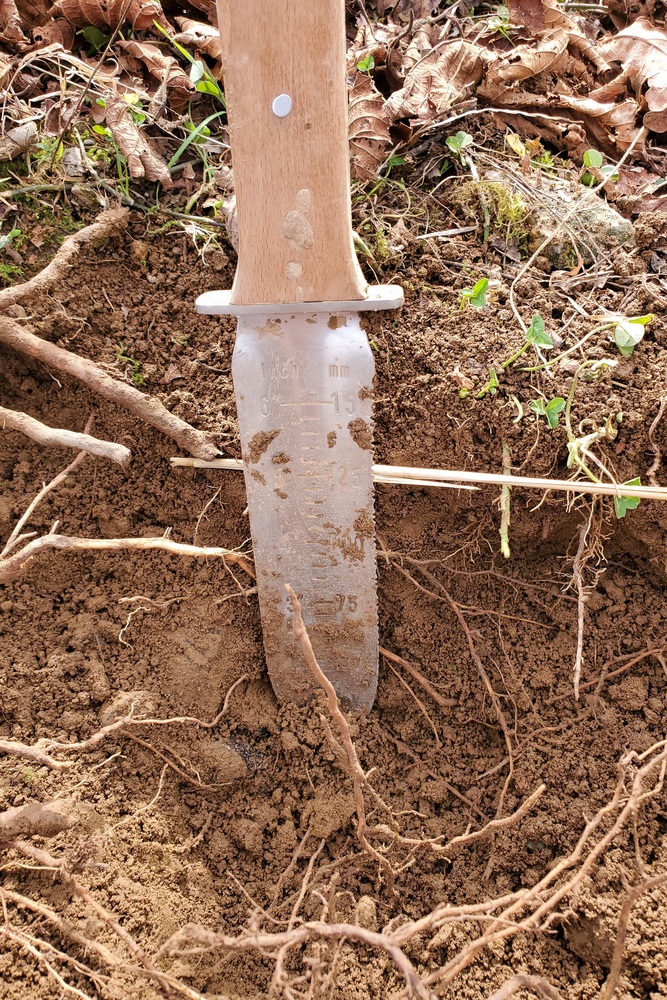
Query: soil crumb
361	433
260	442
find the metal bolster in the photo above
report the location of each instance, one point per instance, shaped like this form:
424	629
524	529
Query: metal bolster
379	297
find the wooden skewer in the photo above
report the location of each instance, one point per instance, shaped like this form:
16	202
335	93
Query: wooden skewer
395	474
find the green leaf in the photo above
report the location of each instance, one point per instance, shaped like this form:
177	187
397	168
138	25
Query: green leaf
553	408
623	504
627	335
592	158
478	297
95	38
459	141
206	87
536	335
366	64
102	130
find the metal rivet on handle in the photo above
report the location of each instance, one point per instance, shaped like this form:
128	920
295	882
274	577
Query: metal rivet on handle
282	105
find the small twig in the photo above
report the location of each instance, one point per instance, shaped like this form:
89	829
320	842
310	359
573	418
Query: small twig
419	677
15	536
657	455
61	438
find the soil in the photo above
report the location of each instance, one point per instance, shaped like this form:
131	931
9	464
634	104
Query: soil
220	837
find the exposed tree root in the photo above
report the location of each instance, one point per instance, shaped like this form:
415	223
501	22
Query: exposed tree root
59	438
147	408
14	559
36	819
108	224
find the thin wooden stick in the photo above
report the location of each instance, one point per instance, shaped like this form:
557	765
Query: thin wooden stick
58	437
439	477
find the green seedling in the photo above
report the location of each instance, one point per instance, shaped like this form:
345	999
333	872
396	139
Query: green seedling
491	386
475	296
550	409
394	161
196	134
596	170
136	376
629	332
31	777
535	336
7	239
367	64
457	143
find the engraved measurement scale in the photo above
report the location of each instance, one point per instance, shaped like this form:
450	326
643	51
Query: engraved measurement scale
302	366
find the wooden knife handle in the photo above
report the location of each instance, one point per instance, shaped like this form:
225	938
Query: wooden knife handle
291	173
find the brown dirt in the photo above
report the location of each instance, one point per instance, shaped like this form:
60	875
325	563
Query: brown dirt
208	847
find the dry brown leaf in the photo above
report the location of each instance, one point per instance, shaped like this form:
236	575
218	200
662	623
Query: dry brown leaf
403	8
524	61
199	36
163	68
548	15
109	14
437	81
368	128
641	48
55	32
207	7
11	25
142	159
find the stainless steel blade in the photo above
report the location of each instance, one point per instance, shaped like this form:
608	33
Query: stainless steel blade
303	387
303	376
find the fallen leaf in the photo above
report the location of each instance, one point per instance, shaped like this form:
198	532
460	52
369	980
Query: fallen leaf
171	375
55	32
438	80
545	53
163	68
142	159
199	36
111	14
11	25
641	48
404	8
368	128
